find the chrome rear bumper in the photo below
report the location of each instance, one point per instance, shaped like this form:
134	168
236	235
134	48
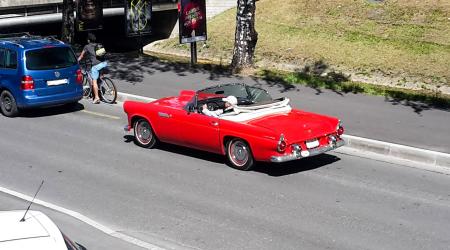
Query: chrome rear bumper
299	154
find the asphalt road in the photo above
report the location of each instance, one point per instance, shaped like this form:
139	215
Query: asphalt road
386	119
179	198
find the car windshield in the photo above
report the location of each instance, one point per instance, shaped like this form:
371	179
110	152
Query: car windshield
50	58
245	94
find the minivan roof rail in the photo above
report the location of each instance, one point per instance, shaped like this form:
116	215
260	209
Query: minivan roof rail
15	35
13	43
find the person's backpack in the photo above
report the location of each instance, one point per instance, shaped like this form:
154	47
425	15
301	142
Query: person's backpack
100	50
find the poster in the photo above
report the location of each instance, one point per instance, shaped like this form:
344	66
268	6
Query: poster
192	21
138	16
89	15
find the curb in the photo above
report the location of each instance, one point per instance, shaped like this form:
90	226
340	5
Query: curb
397	151
418	155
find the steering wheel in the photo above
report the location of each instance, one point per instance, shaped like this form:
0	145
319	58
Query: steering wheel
212	106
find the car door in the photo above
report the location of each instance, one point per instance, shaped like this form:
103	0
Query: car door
201	132
167	122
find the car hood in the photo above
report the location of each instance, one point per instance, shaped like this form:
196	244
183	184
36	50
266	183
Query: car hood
298	125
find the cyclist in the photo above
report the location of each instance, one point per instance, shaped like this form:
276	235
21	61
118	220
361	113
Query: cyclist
97	65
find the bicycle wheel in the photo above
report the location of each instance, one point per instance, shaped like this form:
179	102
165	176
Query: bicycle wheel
87	91
107	90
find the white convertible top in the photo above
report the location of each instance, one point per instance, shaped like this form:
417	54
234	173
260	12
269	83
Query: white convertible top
250	112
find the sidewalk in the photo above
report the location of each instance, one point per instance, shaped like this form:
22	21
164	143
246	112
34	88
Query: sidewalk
395	121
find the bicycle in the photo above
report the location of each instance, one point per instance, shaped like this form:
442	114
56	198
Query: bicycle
107	90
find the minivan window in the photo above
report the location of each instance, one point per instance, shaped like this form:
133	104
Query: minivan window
50	58
2	58
11	59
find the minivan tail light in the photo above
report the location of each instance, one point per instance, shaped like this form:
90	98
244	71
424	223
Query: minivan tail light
79	76
27	83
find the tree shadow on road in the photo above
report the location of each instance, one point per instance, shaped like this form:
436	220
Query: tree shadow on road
132	67
319	77
316	76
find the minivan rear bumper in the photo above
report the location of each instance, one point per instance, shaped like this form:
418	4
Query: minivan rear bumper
31	101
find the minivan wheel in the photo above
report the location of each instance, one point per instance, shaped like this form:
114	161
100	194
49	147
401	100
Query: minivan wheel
8	104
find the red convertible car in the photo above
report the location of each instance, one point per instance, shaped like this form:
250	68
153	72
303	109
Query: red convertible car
257	128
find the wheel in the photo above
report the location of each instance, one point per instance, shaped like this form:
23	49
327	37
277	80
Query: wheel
107	90
143	134
239	154
87	91
8	104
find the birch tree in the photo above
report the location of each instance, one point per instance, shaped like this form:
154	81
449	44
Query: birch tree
68	25
245	35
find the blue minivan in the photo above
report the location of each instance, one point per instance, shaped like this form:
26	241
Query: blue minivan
37	72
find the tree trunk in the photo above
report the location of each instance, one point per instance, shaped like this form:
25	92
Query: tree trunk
68	24
245	36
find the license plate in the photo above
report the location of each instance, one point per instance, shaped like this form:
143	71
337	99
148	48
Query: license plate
312	144
57	82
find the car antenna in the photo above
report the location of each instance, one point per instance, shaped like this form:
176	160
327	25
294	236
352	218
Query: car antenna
23	219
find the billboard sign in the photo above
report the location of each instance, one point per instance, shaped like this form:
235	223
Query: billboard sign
89	15
138	15
192	20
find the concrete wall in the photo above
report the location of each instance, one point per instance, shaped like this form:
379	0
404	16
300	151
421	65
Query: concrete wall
214	7
10	3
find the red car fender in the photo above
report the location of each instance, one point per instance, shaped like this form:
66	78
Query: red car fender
135	109
262	142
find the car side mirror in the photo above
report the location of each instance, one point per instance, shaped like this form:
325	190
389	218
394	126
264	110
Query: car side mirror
190	109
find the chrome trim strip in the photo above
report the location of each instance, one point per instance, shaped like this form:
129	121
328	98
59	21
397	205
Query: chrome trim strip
315	151
165	115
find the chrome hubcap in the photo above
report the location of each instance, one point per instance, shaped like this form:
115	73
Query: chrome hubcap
239	153
144	132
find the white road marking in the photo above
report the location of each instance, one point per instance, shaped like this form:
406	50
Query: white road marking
101	114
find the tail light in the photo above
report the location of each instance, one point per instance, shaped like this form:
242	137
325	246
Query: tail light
79	76
340	128
281	147
27	83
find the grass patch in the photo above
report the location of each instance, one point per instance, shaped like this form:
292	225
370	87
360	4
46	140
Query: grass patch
400	37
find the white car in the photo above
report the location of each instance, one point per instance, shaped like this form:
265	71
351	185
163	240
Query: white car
37	231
